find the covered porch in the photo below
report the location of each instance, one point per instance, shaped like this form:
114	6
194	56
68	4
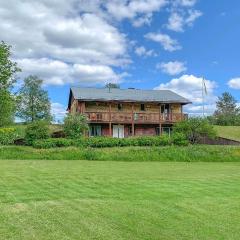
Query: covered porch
128	130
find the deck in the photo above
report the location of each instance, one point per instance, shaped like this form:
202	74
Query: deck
136	117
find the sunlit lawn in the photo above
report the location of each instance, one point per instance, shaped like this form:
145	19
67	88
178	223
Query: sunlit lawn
231	132
119	200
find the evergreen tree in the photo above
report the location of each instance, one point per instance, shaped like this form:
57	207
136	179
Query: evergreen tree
227	112
226	105
33	101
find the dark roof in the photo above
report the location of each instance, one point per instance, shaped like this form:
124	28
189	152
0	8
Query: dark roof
127	95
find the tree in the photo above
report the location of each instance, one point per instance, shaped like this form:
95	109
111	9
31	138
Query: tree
112	85
227	112
7	108
33	101
195	128
8	68
75	125
226	105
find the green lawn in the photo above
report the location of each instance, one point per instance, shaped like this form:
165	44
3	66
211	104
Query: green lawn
119	200
230	132
20	128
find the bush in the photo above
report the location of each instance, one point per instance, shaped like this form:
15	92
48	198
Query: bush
75	126
179	139
102	142
7	136
163	140
194	129
52	143
36	130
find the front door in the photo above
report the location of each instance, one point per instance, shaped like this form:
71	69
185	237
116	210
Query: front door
118	131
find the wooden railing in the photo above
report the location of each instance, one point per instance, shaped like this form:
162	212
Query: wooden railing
136	117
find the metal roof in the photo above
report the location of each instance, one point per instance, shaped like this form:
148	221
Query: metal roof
127	95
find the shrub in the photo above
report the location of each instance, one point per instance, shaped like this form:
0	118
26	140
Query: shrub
53	142
75	125
36	130
100	142
7	136
163	140
179	139
194	129
103	142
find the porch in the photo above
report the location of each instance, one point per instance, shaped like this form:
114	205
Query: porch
136	117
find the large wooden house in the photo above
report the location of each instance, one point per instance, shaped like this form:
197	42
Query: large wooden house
127	112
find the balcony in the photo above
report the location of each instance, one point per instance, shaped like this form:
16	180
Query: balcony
136	117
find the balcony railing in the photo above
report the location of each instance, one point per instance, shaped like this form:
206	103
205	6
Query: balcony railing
136	117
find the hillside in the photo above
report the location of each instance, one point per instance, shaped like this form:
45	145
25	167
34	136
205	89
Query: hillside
230	132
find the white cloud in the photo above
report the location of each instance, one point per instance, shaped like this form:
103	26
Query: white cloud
185	3
55	72
60	37
145	20
172	68
142	51
190	87
192	16
234	83
58	111
165	40
133	9
177	21
40	30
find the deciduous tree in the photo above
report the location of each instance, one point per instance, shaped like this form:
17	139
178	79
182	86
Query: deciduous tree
33	101
8	70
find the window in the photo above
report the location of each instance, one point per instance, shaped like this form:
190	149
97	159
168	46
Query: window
142	107
95	130
120	107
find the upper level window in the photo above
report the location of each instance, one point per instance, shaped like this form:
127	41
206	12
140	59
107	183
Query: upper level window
120	107
142	107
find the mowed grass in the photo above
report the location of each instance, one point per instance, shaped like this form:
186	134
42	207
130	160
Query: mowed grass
119	200
230	132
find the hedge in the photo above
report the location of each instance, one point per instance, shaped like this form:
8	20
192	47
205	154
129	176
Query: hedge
101	142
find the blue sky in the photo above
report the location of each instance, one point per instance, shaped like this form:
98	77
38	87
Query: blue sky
147	44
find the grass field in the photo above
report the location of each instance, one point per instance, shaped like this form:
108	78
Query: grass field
20	128
230	132
51	200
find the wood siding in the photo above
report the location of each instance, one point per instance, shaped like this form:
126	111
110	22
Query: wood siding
127	107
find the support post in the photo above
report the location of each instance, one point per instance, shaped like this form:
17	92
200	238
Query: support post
171	112
110	120
133	129
160	120
181	113
83	108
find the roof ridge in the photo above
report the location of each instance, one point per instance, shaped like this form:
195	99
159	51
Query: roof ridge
124	89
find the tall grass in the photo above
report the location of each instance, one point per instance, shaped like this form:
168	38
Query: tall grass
198	153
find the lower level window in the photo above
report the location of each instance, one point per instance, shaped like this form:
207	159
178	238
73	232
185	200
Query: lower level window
95	131
164	130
